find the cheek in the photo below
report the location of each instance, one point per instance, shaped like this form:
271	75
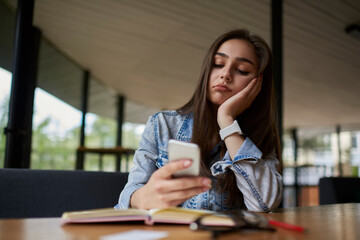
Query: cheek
212	78
213	75
242	82
241	85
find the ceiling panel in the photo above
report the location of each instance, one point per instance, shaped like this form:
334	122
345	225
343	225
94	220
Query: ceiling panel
151	51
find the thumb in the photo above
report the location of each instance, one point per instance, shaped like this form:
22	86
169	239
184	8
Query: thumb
172	167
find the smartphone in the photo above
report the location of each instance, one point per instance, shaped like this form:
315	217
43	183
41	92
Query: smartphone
179	150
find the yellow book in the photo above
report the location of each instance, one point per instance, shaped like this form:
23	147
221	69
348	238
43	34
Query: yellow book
166	215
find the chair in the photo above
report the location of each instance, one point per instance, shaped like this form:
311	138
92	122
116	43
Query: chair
28	193
339	190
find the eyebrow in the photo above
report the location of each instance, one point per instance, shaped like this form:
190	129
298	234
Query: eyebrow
241	59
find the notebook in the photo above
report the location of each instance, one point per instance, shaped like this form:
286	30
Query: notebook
172	215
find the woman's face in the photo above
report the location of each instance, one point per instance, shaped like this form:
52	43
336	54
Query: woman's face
235	65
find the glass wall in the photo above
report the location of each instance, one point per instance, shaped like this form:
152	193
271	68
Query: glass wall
7	23
318	156
55	133
5	84
56	119
101	133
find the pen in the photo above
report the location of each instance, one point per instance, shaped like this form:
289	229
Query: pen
287	226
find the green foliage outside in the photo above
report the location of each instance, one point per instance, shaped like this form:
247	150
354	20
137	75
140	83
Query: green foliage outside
50	151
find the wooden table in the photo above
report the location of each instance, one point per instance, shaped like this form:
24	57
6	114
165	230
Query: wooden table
339	221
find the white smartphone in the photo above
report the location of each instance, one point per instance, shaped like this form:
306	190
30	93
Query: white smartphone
179	150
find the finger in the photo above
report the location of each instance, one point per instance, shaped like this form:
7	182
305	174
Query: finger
172	167
183	184
252	84
253	93
258	87
259	81
181	195
255	88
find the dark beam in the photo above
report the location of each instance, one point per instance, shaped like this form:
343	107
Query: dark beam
277	45
296	170
277	49
120	121
338	131
24	70
84	109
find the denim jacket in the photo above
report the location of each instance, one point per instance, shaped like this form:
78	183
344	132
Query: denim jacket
256	175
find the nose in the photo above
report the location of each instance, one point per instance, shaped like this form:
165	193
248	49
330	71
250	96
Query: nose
226	74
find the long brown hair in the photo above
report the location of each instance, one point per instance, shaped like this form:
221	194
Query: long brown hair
258	121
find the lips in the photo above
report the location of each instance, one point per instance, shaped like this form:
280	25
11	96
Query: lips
222	88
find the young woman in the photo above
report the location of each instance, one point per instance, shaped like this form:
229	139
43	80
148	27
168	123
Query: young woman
239	168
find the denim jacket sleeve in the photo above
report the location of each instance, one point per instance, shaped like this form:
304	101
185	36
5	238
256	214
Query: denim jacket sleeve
256	176
144	165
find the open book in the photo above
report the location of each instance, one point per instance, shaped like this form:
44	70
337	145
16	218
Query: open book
167	215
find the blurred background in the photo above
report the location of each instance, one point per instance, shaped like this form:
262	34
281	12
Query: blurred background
140	57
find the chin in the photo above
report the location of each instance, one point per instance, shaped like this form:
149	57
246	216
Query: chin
219	99
217	102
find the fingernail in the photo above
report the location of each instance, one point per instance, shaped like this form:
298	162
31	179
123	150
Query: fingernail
187	163
206	183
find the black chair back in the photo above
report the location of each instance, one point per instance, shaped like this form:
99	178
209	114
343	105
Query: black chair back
334	190
28	193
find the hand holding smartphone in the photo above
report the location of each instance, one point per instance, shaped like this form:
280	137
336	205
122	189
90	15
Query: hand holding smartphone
184	150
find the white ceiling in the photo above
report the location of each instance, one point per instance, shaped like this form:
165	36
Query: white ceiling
150	51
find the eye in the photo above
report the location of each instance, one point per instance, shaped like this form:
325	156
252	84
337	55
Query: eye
242	72
218	65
